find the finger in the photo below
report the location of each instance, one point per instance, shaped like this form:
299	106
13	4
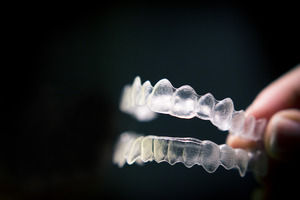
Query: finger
282	94
282	137
238	142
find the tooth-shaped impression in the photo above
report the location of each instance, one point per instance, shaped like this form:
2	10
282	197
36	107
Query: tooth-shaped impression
160	149
191	153
144	101
160	98
147	149
175	152
210	156
227	156
242	160
223	113
134	99
144	94
133	147
184	102
259	128
237	122
205	106
248	126
135	89
135	151
123	148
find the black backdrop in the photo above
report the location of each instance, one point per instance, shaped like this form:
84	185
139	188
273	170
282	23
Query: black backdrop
64	68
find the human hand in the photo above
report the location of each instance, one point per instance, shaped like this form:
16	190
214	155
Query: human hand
279	103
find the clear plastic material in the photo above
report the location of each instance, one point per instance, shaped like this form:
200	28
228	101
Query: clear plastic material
133	147
143	101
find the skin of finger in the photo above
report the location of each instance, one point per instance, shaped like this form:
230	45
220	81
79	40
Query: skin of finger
292	114
283	93
238	142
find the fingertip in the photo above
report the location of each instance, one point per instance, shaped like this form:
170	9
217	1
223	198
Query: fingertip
238	142
282	138
230	140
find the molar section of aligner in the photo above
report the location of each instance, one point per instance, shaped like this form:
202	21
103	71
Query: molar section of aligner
160	98
205	106
209	156
241	159
223	114
160	150
227	156
184	102
191	154
175	151
135	151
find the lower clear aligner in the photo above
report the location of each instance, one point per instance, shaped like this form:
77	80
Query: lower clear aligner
136	148
144	101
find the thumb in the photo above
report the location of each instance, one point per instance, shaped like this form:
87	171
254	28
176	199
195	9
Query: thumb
282	138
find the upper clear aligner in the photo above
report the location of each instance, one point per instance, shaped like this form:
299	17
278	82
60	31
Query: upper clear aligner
144	101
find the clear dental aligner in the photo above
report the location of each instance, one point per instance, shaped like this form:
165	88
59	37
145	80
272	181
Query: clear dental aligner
143	101
133	147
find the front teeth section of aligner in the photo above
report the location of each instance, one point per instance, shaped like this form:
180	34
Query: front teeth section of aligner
144	101
189	151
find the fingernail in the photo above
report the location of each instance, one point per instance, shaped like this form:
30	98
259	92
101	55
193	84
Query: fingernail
284	138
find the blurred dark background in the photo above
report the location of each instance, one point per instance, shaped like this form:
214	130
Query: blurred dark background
64	69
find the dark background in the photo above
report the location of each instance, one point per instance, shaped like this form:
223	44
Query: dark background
66	66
